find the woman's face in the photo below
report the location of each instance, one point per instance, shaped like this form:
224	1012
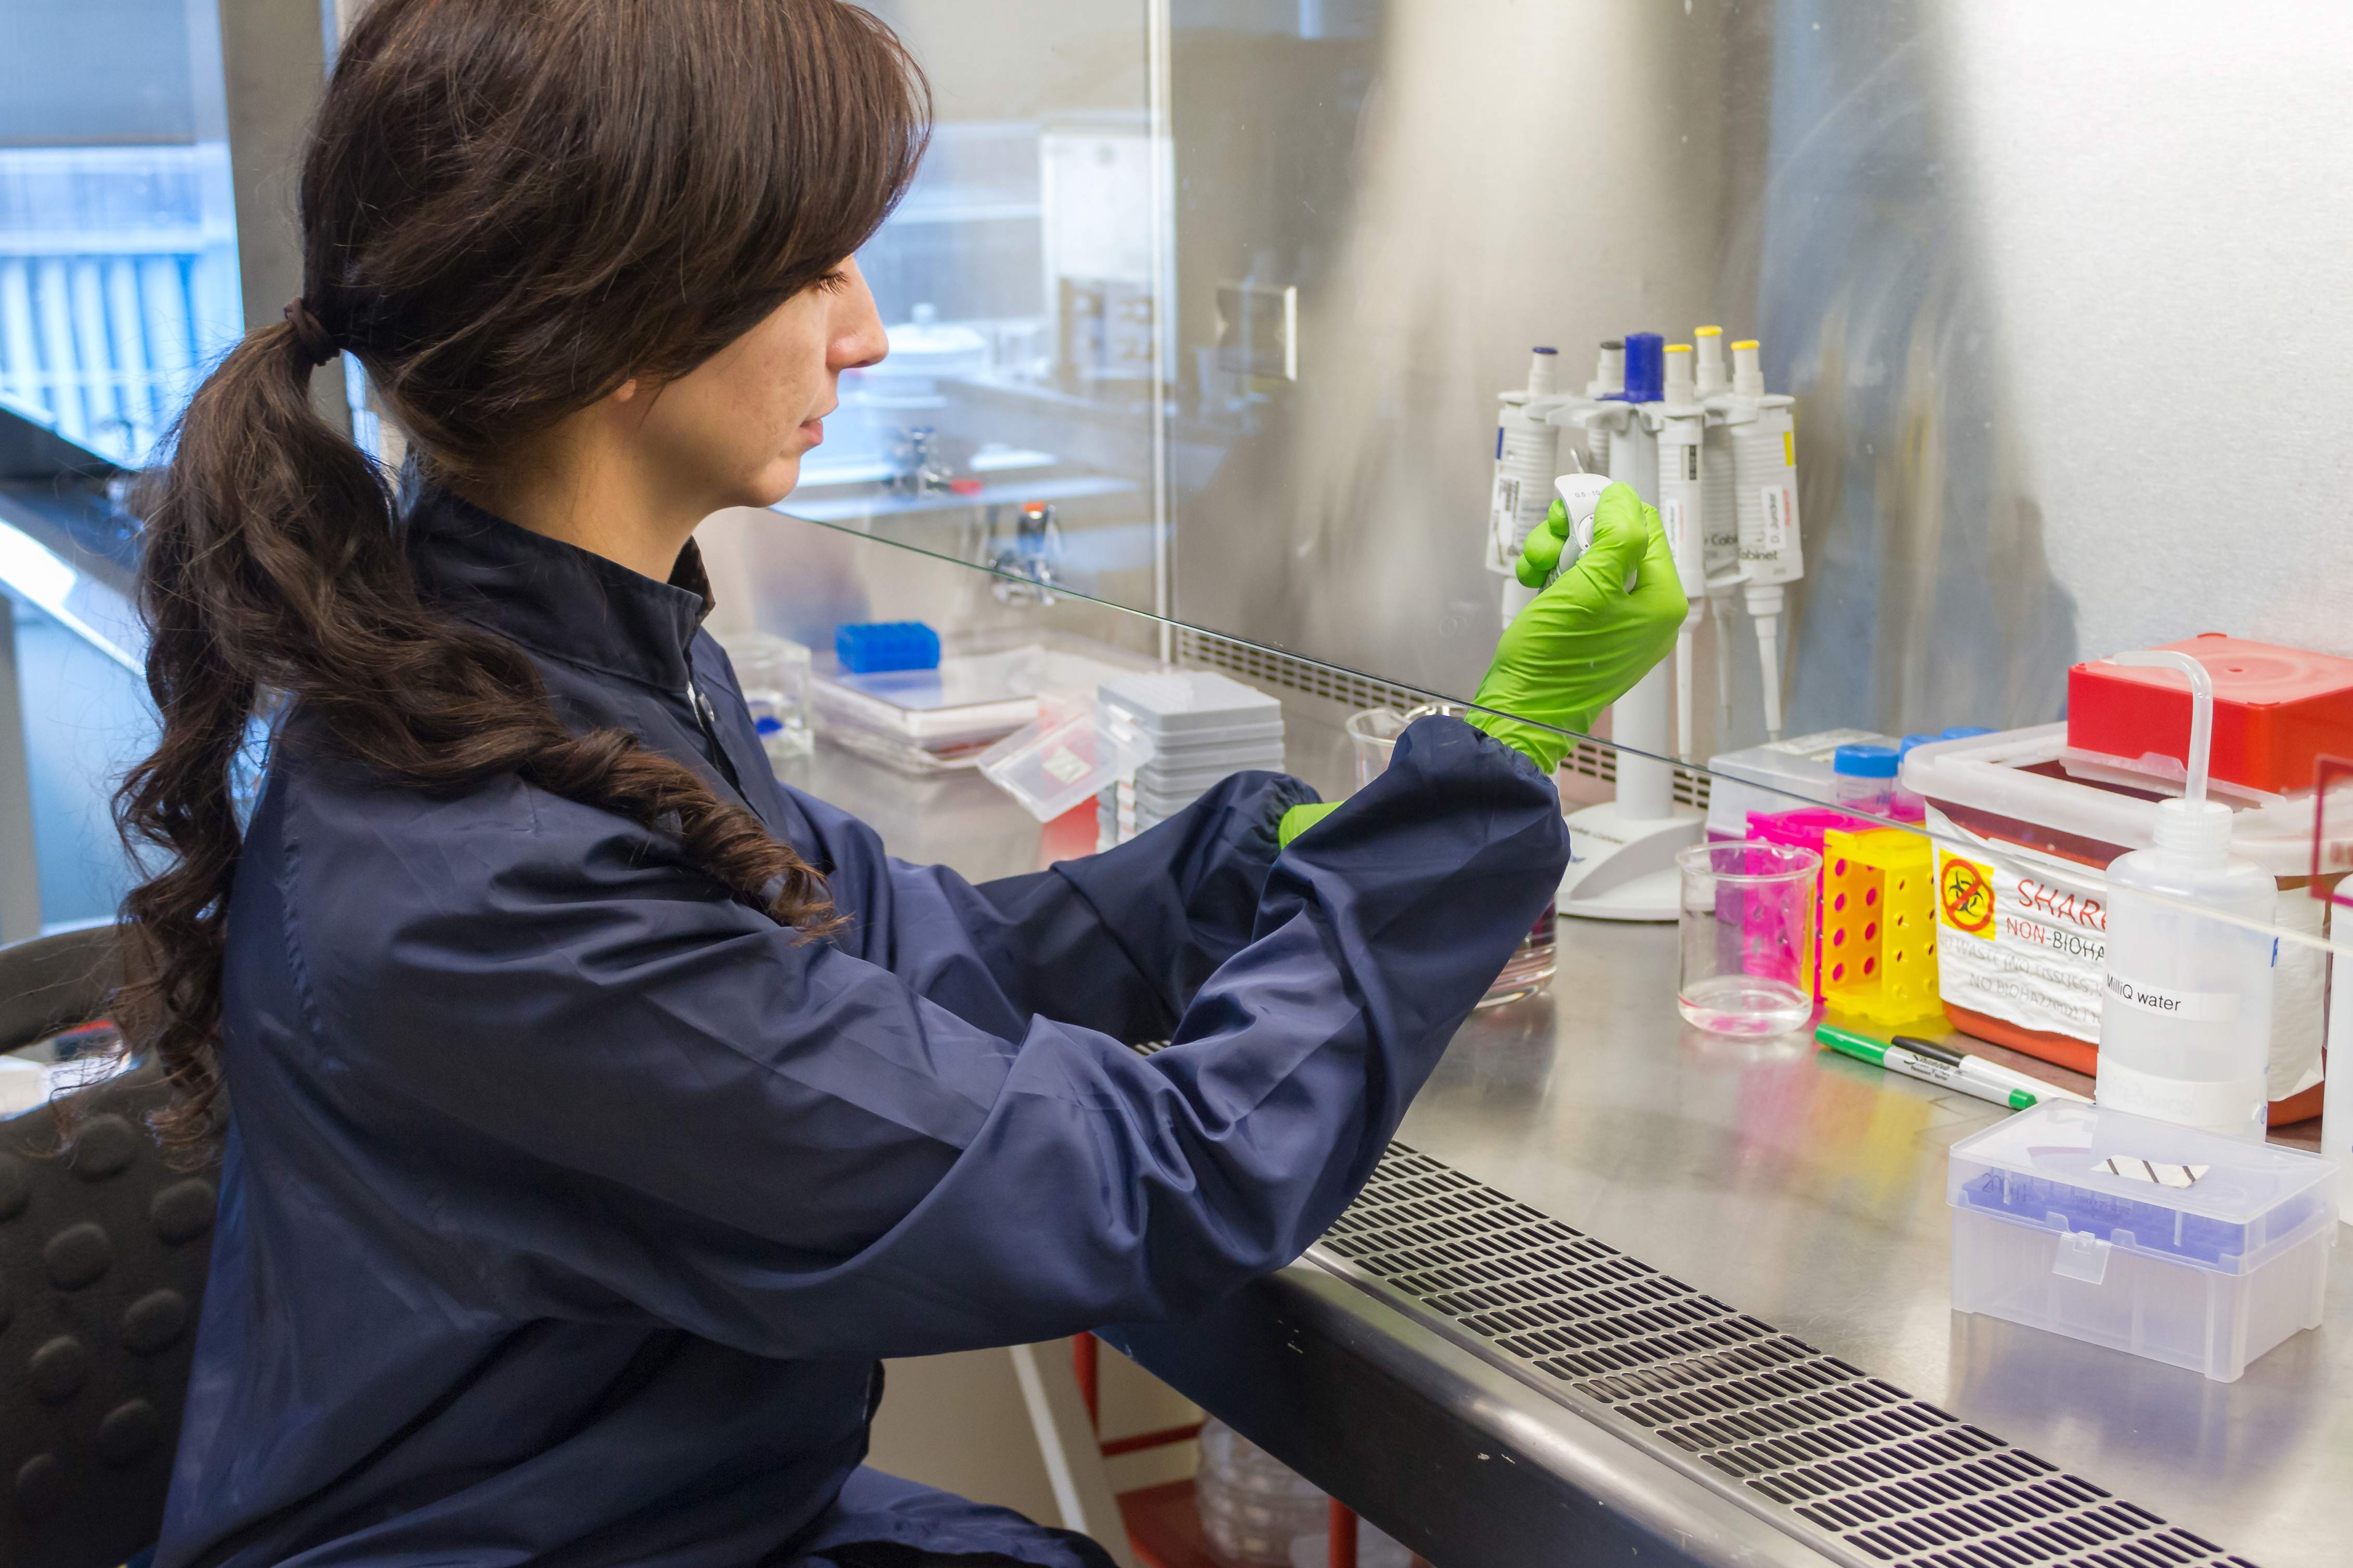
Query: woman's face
739	423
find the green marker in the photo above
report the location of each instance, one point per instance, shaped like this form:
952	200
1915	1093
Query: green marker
1912	1064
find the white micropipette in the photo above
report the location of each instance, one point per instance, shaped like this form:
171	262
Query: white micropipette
1682	427
1527	447
1765	497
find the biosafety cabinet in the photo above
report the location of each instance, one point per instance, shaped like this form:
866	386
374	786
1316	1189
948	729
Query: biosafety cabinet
1968	343
1961	347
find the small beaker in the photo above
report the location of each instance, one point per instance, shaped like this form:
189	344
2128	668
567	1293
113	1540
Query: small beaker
1748	937
775	674
1373	734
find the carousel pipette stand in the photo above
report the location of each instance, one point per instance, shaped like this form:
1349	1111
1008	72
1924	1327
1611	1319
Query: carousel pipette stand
1622	853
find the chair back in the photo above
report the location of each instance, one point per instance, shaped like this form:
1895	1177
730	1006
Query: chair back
104	1251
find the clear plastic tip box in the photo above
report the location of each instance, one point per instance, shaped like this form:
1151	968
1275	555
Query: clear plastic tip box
2181	1245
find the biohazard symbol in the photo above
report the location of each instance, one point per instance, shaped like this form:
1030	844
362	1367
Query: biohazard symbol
1965	892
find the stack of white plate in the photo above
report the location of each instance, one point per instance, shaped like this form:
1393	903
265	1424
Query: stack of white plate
1202	726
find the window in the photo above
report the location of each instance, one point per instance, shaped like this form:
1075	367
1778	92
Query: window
118	240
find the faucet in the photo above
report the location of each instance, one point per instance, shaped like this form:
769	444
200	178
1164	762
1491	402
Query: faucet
919	472
1030	554
923	467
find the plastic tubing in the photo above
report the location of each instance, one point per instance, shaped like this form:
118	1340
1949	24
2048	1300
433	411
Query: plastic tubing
2201	712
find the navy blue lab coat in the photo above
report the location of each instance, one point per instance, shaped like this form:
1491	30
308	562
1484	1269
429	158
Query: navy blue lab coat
567	1204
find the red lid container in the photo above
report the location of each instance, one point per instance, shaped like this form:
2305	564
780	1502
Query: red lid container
2276	710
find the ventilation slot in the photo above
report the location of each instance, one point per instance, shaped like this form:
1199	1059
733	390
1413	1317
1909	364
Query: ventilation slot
1887	1478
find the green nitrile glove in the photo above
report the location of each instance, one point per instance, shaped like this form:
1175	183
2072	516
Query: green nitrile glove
1587	639
1300	819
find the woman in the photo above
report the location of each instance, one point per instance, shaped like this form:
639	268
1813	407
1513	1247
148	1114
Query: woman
603	1110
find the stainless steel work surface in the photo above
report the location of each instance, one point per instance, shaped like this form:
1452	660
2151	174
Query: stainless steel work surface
1806	1190
1801	1189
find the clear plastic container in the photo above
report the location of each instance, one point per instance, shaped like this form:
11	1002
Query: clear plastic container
1071	753
1863	776
1195	704
2195	1249
929	721
1252	1506
774	674
1776	777
1748	929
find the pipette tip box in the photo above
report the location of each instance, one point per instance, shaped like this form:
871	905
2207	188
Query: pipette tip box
2184	1246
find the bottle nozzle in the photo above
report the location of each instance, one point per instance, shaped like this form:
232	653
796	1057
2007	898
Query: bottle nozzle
2201	712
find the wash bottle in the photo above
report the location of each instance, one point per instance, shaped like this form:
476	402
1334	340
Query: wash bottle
2185	1016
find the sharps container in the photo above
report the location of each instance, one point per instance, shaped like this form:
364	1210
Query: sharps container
1372	735
2186	1247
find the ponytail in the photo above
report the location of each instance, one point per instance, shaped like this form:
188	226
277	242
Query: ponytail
509	209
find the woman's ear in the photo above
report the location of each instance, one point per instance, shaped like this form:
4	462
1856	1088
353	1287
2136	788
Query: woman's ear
625	391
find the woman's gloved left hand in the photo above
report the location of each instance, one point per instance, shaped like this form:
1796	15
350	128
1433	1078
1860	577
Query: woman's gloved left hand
1588	637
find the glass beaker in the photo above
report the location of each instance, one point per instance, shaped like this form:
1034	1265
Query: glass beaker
1373	734
775	674
1748	922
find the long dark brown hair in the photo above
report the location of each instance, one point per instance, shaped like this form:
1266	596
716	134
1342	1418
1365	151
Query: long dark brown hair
508	208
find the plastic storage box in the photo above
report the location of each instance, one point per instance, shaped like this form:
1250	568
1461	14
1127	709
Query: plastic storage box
1781	775
1201	727
930	720
2276	711
2187	1247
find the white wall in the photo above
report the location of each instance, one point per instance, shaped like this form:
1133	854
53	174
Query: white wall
2156	192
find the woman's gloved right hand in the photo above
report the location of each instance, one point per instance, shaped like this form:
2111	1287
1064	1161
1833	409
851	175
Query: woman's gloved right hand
1587	638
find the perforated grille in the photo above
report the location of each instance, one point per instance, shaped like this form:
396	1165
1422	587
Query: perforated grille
1264	666
1890	1478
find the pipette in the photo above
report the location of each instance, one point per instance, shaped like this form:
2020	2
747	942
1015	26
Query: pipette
1765	499
1682	425
1527	447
